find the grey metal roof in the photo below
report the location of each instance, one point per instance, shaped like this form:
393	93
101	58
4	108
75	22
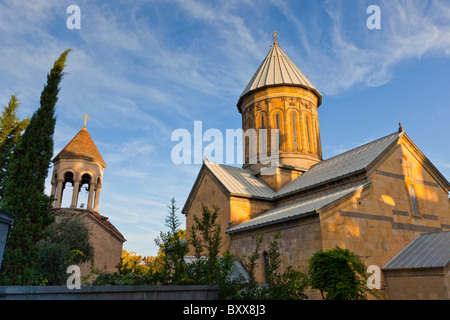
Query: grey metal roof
429	250
278	69
240	181
296	210
243	182
7	217
341	165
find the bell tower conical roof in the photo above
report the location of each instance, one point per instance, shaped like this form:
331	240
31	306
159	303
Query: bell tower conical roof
81	147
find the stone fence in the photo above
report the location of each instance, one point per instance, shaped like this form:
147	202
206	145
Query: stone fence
109	293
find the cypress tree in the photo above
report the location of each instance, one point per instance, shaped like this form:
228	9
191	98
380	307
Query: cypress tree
10	130
24	193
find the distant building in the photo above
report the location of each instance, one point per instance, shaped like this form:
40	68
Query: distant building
373	200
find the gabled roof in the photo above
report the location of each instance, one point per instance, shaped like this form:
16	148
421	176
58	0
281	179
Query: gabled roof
236	181
277	69
429	250
345	164
240	181
81	147
297	210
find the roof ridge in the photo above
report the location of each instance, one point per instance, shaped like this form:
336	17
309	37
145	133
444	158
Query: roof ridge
293	210
315	175
359	147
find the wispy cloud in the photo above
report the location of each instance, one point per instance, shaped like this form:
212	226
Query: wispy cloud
354	55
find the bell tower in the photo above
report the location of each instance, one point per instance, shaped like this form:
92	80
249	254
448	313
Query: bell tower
280	97
80	164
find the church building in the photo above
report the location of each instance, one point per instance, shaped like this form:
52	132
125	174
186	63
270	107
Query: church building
80	165
384	200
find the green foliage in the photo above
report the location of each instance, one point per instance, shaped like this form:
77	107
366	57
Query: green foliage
206	239
338	274
252	290
287	285
10	130
24	192
67	243
172	248
130	273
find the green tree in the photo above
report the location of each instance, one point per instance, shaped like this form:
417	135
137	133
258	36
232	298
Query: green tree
67	243
24	193
172	248
10	130
206	240
287	285
338	274
209	266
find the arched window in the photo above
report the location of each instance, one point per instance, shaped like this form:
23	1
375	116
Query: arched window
84	191
278	127
67	190
412	195
308	138
250	139
319	151
262	135
294	131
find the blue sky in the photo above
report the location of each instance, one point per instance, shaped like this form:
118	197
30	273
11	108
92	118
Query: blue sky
142	69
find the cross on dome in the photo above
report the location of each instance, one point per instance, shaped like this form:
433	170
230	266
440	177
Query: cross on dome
275	36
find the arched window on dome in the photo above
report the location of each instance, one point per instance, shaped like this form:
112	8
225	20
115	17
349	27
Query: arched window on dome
250	141
277	126
294	131
262	136
319	147
308	135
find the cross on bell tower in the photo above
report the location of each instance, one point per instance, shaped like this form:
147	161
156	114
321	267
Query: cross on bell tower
85	118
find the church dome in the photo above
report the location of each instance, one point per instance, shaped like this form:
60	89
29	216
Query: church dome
278	70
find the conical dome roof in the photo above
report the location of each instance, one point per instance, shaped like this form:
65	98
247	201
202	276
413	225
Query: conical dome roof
81	147
277	70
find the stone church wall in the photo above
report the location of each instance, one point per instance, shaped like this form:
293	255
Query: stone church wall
381	224
431	284
299	239
107	249
209	193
